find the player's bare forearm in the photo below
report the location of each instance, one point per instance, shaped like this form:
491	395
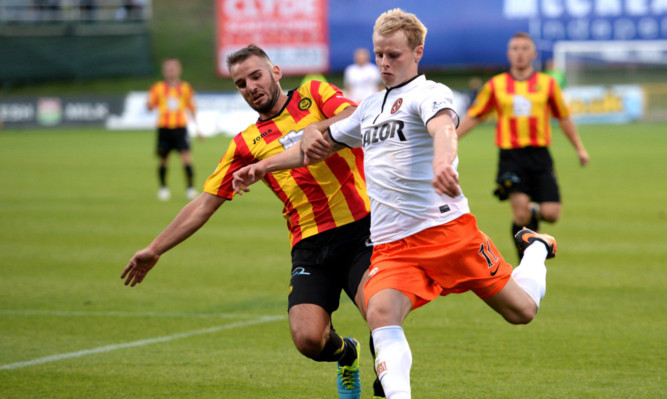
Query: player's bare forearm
570	131
192	217
467	124
187	222
250	174
445	146
288	159
445	139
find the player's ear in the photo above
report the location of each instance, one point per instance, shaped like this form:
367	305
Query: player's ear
419	52
276	72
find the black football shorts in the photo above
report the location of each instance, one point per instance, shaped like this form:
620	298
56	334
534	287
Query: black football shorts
172	139
527	170
328	262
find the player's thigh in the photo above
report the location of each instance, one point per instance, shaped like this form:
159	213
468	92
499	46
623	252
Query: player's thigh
546	187
347	252
511	174
459	257
181	140
396	265
513	303
163	143
313	281
308	321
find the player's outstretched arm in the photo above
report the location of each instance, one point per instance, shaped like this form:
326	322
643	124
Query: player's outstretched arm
194	215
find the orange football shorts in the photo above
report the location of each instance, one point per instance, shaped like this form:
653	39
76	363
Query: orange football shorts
454	257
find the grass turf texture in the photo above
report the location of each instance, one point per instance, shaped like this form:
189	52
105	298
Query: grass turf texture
75	205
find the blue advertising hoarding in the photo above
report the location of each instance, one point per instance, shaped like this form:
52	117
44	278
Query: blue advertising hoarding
475	33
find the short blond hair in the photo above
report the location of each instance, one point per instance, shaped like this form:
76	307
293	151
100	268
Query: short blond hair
398	20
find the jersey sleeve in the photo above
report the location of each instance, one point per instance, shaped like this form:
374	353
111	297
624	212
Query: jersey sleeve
557	103
483	103
237	156
348	131
190	99
329	98
153	95
435	98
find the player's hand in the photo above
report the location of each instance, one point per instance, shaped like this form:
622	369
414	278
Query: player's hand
584	159
140	264
248	175
446	180
314	146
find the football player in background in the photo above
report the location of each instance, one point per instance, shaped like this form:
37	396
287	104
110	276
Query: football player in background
173	99
524	101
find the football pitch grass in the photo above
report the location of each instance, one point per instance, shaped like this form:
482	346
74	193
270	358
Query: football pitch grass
210	320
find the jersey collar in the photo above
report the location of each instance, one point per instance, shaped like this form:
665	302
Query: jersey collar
419	77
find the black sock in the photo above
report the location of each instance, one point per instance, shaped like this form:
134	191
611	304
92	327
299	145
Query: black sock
534	223
189	175
515	229
162	173
336	349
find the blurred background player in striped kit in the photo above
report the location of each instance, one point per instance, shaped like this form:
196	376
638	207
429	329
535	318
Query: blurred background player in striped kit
525	101
173	99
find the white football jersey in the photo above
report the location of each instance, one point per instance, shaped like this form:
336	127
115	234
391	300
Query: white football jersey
390	126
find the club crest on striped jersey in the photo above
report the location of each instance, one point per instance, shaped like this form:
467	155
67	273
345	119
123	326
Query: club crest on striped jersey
396	106
305	103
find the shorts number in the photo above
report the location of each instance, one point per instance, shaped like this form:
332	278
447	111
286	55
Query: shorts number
485	251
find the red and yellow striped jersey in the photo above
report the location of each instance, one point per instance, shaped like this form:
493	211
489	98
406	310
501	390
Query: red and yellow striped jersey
171	102
318	197
524	109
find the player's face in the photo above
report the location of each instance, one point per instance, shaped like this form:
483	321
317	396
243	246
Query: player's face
398	63
521	53
361	57
257	81
171	69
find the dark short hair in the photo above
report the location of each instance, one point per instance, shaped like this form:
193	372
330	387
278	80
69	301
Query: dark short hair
245	53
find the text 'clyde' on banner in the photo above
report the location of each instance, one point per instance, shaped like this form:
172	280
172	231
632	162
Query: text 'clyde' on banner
294	33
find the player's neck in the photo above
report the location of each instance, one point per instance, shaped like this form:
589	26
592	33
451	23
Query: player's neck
276	109
522	74
173	82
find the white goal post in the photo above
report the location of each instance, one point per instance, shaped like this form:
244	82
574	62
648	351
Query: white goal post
575	57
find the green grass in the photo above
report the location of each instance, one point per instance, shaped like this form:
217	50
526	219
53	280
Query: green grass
76	204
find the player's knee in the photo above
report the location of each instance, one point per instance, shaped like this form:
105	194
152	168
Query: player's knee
551	217
550	212
522	315
308	343
379	316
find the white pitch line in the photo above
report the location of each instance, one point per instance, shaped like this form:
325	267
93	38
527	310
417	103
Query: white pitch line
68	313
143	342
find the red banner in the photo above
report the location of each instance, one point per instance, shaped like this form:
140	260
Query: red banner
294	33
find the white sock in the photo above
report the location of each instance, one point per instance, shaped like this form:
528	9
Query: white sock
393	361
531	274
